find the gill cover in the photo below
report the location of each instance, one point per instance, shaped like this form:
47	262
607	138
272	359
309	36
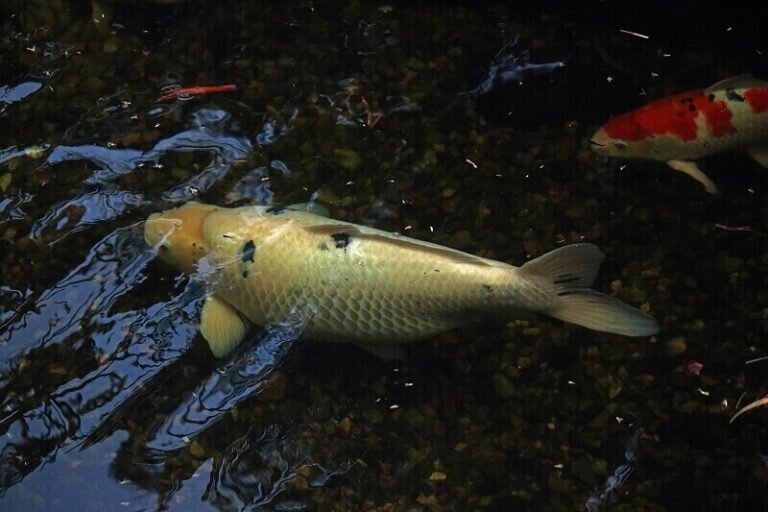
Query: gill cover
177	234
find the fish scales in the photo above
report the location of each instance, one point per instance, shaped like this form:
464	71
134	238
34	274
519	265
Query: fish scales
368	285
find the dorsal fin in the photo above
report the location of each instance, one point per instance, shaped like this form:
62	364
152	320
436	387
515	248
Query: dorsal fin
403	242
736	82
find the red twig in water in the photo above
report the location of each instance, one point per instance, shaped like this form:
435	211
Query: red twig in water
188	92
371	117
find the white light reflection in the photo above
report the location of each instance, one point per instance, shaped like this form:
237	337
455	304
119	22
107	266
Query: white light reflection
636	34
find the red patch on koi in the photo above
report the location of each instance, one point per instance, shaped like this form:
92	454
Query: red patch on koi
757	99
625	127
718	117
675	115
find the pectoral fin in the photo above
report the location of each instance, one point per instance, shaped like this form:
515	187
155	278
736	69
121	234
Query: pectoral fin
760	154
221	326
692	170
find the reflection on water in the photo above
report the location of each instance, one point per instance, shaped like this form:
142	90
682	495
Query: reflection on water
269	469
87	209
124	350
208	135
12	94
241	376
78	301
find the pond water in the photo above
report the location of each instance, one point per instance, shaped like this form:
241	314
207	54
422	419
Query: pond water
462	124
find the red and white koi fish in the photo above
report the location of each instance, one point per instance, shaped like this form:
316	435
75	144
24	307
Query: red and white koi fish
731	114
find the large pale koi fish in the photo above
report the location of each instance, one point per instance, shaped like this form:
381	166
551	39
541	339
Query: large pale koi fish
367	286
731	114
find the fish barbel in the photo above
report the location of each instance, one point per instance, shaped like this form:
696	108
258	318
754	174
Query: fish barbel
367	286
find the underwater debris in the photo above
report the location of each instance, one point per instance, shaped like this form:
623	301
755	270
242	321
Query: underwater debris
752	405
619	475
725	227
694	367
508	67
352	107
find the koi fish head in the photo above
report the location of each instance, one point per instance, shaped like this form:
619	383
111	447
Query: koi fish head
178	234
622	137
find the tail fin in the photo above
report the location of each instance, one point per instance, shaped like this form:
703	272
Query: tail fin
568	273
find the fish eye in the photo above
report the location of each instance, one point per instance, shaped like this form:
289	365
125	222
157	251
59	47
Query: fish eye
620	145
164	247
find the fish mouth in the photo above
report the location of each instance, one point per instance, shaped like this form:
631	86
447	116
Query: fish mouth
595	143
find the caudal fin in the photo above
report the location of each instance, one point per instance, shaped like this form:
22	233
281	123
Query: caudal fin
567	273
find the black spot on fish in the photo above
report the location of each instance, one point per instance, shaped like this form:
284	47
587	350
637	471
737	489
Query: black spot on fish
322	246
488	289
276	210
245	274
711	97
566	278
692	107
341	240
732	95
249	251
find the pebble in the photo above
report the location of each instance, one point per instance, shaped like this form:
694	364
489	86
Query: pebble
675	346
437	476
